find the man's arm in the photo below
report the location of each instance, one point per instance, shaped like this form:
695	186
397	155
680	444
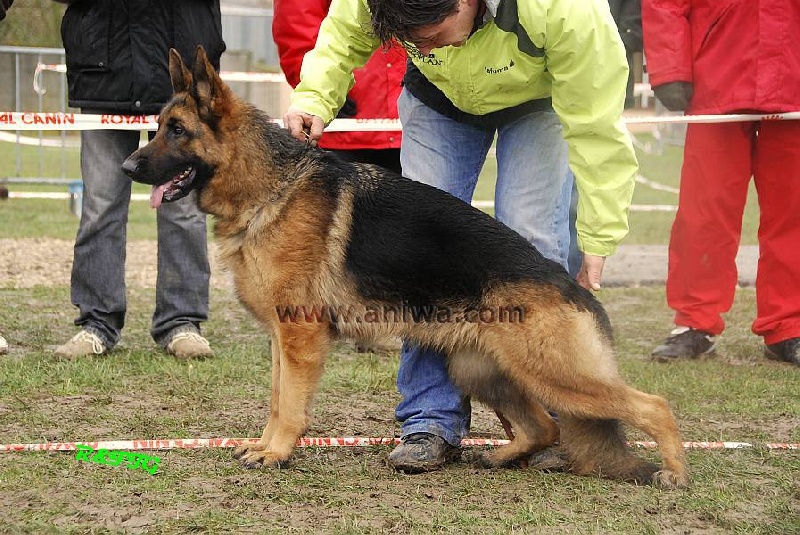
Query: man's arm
586	59
344	43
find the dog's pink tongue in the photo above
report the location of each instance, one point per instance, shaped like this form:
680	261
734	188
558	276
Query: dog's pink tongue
157	195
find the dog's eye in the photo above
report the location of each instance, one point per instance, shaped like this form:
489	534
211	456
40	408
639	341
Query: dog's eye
177	130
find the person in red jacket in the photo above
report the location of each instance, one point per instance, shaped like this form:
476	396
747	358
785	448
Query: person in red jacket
374	96
711	57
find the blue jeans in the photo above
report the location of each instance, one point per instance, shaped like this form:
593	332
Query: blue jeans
98	269
532	196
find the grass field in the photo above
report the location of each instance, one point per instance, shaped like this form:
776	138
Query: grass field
138	392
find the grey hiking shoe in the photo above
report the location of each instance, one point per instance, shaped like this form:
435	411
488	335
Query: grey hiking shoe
189	345
685	343
786	351
81	345
422	452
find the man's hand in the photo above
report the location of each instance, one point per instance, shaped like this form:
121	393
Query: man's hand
675	96
591	272
303	126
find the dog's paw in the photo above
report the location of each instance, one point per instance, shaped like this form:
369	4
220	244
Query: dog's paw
258	455
552	459
262	459
240	451
668	479
493	459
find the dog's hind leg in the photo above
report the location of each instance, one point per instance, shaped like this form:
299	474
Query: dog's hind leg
572	370
302	350
591	436
534	429
598	447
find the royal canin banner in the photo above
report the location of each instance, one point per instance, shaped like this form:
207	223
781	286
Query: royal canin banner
13	120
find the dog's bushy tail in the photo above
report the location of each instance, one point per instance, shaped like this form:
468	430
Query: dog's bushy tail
598	447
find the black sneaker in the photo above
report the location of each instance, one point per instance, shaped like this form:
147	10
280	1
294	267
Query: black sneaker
684	343
787	351
422	452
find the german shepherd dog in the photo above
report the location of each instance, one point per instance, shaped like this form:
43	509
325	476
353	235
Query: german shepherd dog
295	226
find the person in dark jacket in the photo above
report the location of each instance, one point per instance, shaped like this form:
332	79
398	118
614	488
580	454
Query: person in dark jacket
628	16
117	62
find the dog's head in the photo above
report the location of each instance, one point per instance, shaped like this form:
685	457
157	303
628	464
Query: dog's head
177	160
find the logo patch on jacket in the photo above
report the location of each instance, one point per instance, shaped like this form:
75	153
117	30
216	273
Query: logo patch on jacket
498	70
430	59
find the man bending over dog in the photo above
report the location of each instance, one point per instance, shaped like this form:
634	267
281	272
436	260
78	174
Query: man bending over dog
534	73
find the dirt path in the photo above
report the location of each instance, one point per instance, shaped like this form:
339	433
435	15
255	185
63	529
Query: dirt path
32	262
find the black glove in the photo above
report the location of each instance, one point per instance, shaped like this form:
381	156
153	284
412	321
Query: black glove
675	96
348	110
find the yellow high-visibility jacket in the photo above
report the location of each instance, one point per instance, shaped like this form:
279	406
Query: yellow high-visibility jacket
569	50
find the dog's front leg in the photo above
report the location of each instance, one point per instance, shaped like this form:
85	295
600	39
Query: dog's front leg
274	409
275	396
301	351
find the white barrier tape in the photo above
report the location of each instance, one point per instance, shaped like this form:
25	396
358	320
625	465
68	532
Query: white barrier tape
75	121
195	443
361	125
726	118
239	76
14	120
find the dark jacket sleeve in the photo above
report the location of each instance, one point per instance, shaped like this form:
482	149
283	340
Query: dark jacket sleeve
4	5
628	16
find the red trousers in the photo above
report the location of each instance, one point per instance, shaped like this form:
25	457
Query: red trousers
719	160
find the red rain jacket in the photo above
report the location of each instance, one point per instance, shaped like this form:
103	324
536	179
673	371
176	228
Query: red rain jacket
740	55
378	84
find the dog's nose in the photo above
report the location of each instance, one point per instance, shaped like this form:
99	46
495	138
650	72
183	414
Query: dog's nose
130	166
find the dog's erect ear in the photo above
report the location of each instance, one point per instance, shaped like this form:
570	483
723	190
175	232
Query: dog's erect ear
180	75
208	87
